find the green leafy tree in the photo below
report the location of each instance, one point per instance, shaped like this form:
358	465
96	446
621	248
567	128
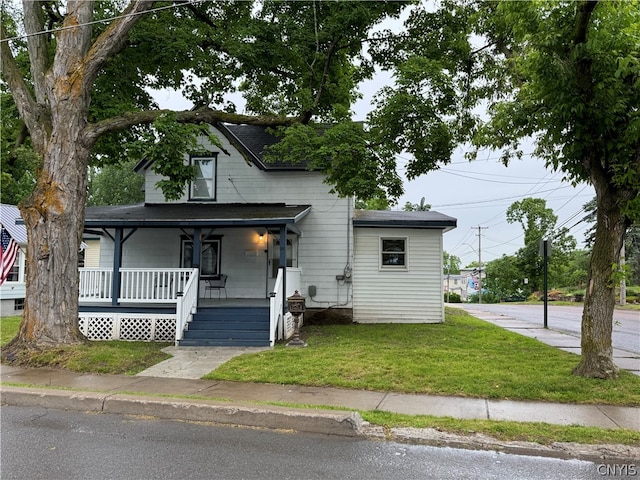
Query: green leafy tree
79	74
115	185
575	272
376	203
563	73
417	207
505	279
18	161
450	263
538	223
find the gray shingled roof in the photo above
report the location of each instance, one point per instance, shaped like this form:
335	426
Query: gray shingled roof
389	218
252	141
9	214
194	214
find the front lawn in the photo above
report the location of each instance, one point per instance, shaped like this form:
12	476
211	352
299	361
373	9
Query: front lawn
463	356
115	357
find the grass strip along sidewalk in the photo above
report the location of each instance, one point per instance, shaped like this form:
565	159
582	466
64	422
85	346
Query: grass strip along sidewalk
463	356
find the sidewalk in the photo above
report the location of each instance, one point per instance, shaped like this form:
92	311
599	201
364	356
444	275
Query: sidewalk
173	389
603	416
564	341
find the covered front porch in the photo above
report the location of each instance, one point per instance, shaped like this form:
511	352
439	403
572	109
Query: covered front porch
178	267
163	305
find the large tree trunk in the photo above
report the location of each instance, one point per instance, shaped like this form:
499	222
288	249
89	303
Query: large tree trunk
599	303
54	218
54	213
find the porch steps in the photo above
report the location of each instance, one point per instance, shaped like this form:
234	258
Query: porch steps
228	326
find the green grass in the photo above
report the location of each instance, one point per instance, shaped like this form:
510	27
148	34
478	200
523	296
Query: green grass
537	432
463	356
114	357
8	329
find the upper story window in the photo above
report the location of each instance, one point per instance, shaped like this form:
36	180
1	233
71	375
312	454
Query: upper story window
393	253
203	186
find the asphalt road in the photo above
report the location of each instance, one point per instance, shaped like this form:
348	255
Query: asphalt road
626	323
40	443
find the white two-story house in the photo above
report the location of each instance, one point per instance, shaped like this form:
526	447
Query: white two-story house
216	266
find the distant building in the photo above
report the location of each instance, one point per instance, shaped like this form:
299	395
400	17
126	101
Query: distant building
465	284
12	291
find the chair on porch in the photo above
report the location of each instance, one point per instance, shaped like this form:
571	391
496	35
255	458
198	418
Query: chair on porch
219	282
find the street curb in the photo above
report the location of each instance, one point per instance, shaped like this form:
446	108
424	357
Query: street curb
596	453
327	422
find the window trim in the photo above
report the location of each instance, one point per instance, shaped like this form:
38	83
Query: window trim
217	240
382	252
192	161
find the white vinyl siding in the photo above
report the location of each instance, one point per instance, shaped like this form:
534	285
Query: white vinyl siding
411	295
323	250
92	253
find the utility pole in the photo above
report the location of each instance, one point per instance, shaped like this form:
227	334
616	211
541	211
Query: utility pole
480	261
623	281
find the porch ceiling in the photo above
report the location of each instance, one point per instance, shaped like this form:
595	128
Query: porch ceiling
194	215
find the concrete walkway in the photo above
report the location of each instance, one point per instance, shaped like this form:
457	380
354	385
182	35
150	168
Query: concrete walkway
195	362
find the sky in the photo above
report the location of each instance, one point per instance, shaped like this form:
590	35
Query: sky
476	193
479	193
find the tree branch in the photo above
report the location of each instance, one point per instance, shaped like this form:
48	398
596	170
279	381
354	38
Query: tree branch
583	16
113	38
22	96
34	23
200	115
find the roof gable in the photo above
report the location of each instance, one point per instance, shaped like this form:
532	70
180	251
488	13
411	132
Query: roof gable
252	142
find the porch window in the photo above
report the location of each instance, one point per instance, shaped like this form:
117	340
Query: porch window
209	258
203	186
393	253
291	256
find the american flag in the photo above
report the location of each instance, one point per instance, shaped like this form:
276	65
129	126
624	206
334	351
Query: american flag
9	252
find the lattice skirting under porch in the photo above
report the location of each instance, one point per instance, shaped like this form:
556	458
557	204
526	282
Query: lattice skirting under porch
290	325
128	326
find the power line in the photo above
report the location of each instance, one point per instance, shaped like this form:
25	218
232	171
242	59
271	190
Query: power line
94	22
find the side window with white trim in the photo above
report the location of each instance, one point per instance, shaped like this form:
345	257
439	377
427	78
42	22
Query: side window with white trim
393	253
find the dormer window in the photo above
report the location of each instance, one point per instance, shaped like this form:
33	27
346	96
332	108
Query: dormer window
203	186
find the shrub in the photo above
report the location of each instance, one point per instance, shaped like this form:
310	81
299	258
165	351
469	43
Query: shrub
452	298
487	297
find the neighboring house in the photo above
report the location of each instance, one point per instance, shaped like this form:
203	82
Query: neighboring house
216	266
456	283
12	291
465	284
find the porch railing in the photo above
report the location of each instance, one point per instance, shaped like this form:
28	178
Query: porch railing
186	304
277	300
140	285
